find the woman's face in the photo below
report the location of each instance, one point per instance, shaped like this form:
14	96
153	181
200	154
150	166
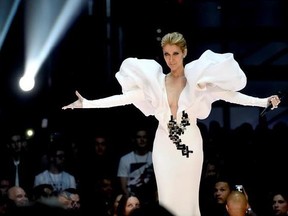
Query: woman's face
280	205
132	203
173	56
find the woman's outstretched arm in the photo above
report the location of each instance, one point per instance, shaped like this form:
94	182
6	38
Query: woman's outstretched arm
111	101
247	100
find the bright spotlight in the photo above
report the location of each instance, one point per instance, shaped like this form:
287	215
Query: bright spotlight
45	22
29	133
26	83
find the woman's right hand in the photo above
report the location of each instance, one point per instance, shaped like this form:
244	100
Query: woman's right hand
76	104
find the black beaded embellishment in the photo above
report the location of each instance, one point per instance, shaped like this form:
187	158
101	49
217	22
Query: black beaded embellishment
176	130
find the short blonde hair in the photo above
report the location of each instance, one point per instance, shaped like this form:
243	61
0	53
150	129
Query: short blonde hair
174	38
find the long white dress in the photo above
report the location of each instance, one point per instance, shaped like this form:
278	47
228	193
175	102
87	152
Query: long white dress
212	77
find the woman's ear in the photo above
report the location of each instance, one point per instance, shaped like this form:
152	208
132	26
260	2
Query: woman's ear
185	53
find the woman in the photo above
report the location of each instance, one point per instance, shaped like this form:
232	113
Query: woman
280	203
178	99
127	204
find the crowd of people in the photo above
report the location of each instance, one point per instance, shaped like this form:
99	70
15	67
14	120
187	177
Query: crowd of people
74	181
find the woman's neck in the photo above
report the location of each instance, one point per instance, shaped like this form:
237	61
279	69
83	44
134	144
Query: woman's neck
177	73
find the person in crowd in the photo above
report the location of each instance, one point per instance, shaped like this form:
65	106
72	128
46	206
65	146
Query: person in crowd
237	204
17	161
210	174
5	184
280	203
18	201
55	174
103	160
177	99
69	198
18	196
101	200
127	204
45	201
42	193
222	188
135	170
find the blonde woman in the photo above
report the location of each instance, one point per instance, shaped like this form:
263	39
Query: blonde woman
177	99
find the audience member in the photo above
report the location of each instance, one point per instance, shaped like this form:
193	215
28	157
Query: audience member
280	203
17	162
5	184
101	157
41	192
101	162
236	204
221	189
69	199
127	204
18	196
55	174
18	201
210	174
45	201
135	169
102	197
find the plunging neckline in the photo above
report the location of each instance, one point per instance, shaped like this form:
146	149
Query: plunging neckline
179	98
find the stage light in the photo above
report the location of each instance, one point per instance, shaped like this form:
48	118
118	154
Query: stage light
29	133
45	24
26	83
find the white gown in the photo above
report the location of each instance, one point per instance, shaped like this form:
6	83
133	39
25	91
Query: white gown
211	77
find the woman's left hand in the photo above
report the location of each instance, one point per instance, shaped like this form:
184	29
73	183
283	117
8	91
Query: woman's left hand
274	100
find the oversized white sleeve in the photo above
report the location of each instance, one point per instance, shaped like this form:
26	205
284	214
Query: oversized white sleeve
241	99
126	98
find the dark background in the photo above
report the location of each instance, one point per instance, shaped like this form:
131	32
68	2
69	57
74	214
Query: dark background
87	56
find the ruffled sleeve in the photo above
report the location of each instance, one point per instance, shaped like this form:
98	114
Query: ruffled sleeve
217	69
145	75
211	71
